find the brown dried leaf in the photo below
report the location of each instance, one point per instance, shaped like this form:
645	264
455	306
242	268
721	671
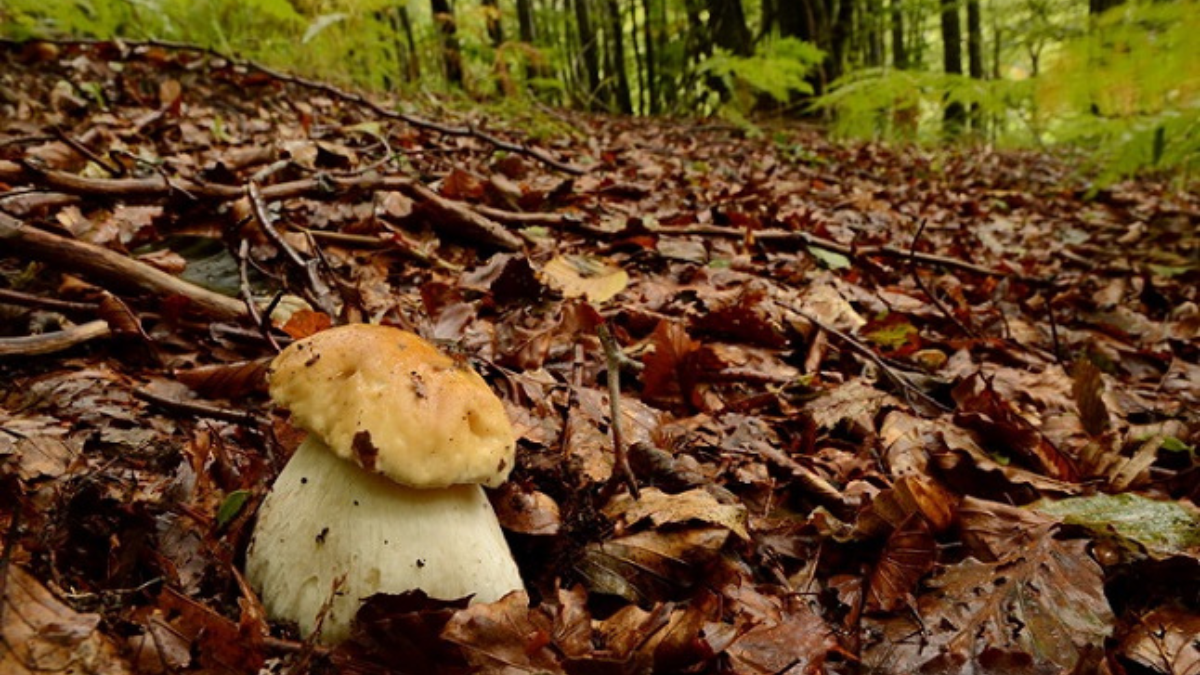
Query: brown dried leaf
402	634
41	445
661	508
506	636
306	322
1088	388
992	530
667	374
43	636
227	380
578	276
653	565
1042	606
1004	431
910	495
854	403
909	555
1164	641
790	637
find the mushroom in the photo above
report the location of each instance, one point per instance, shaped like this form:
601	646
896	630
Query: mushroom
385	495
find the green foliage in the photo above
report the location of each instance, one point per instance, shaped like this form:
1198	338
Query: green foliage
907	104
1128	90
777	69
1131	89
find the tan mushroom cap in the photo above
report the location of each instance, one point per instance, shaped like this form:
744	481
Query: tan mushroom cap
392	403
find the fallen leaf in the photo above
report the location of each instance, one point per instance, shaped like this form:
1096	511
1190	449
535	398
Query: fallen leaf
578	276
44	636
661	508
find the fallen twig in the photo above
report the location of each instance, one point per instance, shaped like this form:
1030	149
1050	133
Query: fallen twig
198	409
111	267
316	286
622	472
56	341
11	297
912	393
912	252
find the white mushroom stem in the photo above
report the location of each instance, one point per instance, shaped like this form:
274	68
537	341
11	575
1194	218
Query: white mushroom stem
326	518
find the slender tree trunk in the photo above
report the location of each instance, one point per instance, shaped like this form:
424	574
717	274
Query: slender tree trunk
899	52
807	20
955	114
495	28
843	33
451	56
624	98
590	51
1098	7
975	56
639	59
873	25
413	62
652	29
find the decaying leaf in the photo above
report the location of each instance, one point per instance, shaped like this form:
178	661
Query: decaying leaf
1165	528
651	565
1165	641
909	555
662	509
1042	605
44	636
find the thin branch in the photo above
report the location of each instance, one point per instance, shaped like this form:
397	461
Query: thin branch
11	297
317	286
56	341
911	391
912	251
197	409
111	267
448	214
622	472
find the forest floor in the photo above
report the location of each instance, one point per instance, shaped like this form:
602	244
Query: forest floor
884	409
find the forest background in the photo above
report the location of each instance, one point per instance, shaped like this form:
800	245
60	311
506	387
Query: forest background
1118	80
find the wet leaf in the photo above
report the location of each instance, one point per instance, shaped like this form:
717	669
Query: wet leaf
1165	527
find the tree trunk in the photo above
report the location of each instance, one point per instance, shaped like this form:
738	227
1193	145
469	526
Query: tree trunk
589	50
617	57
651	30
955	114
451	56
874	20
808	21
975	56
899	52
495	29
1098	7
843	33
727	26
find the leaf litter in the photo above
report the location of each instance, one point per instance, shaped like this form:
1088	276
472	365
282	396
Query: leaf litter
893	411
